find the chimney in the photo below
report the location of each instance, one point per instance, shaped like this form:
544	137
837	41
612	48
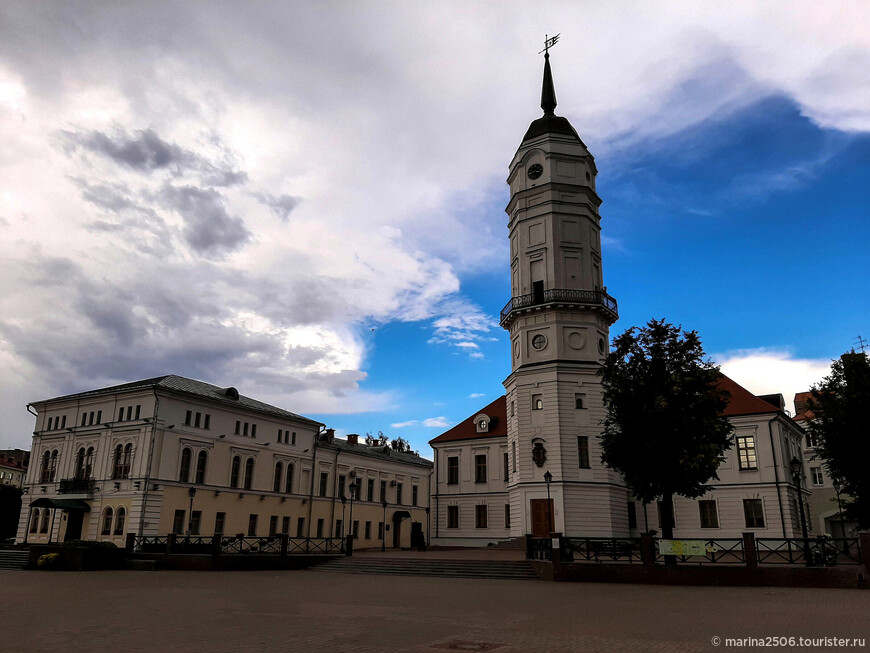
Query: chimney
352	438
330	435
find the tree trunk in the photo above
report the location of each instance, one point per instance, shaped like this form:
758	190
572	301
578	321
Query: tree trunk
667	506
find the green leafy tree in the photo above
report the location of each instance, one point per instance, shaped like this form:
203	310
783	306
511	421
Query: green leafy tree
664	432
10	510
840	426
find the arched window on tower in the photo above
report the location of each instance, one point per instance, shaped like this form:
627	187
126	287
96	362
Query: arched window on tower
184	472
119	521
80	464
234	471
108	513
118	462
46	466
89	463
279	471
201	464
288	483
128	460
52	467
249	473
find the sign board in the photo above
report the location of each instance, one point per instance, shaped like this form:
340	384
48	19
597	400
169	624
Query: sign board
682	547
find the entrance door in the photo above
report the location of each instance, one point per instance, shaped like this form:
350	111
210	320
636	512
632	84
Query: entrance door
540	510
397	534
73	525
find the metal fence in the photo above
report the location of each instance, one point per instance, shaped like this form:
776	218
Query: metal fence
818	552
722	551
236	545
602	549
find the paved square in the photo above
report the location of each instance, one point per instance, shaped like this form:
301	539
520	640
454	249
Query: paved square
315	610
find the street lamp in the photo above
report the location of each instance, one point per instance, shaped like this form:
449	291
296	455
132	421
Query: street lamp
352	497
384	527
548	478
191	492
343	524
797	476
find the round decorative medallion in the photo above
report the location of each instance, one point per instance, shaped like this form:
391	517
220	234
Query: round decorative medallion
539	341
601	346
576	340
516	350
535	171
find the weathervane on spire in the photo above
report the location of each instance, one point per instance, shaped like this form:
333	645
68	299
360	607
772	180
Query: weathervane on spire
549	43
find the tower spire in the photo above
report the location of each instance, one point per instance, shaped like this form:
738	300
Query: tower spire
548	91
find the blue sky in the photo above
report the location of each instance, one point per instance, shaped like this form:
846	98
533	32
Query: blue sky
306	200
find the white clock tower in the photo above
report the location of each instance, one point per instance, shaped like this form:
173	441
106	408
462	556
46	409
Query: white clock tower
558	319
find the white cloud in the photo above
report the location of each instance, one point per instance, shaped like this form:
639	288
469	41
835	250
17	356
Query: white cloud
769	371
401	425
436	422
476	395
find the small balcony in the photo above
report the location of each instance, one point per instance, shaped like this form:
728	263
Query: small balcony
76	486
594	299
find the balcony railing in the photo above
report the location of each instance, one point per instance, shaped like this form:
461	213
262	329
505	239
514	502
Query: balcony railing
596	298
76	486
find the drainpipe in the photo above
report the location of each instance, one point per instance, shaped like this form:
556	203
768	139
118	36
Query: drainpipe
313	471
776	475
334	492
148	466
437	496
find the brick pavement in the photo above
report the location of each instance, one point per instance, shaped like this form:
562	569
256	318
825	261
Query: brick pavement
318	611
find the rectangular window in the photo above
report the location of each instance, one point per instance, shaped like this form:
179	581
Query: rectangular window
285	525
414	490
514	452
583	451
341	485
480	468
195	522
753	511
319	528
197	420
63	422
370	490
506	464
219	520
818	478
480	516
252	525
207	423
398	493
300	527
453	470
253	430
452	516
709	517
356	529
632	514
380	530
537	402
293	438
99	416
238	427
138	411
746	452
324	483
337	531
245	429
129	413
85	419
507	515
513	408
178	521
91	418
280	435
368	530
579	401
273	525
187	417
383	490
120	415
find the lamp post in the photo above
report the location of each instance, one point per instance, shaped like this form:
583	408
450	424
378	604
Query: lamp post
343	524
840	511
548	478
384	527
191	492
796	471
352	497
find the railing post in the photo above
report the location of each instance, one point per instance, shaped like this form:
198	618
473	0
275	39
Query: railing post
170	542
348	545
529	552
750	552
216	545
647	550
131	542
285	541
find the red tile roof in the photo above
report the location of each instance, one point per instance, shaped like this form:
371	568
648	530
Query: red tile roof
467	430
743	402
800	406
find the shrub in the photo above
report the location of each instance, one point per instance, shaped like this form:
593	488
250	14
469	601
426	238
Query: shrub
49	561
91	544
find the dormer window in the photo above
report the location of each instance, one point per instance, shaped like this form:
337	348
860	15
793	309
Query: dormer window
482	423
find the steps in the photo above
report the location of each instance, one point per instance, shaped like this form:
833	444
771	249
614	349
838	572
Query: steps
516	544
14	558
499	569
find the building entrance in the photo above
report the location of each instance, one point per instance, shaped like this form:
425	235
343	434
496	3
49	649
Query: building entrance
541	510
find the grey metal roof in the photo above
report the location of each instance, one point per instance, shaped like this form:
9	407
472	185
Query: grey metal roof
376	452
182	385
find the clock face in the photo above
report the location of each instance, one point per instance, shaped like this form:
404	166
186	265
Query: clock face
535	170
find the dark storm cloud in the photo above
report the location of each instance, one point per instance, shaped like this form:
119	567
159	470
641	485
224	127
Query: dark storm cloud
281	205
145	152
209	229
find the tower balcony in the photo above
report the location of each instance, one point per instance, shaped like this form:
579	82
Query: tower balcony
560	298
83	486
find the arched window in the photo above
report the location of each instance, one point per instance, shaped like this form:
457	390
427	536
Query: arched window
288	484
279	470
201	464
234	471
118	463
80	464
107	522
53	466
184	474
89	463
119	521
249	473
34	520
43	527
46	467
128	460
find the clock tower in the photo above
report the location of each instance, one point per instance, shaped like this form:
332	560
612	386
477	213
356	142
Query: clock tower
558	319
